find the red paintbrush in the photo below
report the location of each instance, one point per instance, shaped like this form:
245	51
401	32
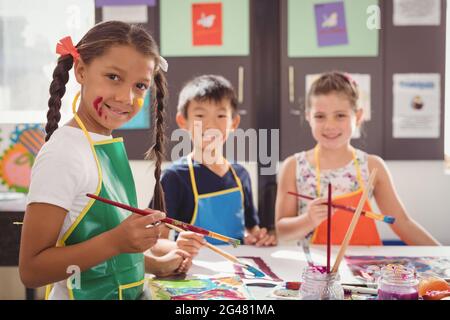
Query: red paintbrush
185	226
329	229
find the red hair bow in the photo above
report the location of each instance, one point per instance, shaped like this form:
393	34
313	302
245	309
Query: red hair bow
65	46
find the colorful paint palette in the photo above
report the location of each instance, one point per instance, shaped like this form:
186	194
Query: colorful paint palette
224	288
369	266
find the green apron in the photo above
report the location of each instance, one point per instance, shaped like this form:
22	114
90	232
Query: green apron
122	276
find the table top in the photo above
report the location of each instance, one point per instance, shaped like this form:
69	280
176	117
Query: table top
12	201
288	262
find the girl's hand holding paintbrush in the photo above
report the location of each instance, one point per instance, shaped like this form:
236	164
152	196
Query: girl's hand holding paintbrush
317	211
137	233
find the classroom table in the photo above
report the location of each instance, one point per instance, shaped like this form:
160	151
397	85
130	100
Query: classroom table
12	209
288	261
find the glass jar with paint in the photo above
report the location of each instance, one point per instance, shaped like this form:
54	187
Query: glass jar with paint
398	282
317	284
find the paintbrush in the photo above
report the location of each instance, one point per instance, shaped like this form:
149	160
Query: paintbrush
368	214
258	273
329	228
186	226
305	245
357	289
354	221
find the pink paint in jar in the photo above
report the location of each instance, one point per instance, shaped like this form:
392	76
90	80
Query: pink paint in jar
317	284
398	283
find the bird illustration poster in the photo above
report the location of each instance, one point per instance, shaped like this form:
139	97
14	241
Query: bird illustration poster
207	24
204	28
330	24
332	28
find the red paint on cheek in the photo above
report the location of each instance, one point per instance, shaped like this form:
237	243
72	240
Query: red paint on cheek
98	108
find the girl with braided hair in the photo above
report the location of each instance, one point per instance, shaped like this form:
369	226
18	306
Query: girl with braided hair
64	231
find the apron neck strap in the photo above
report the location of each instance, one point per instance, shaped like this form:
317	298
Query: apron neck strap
78	120
192	175
316	159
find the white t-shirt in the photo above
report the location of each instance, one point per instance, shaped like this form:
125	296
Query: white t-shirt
63	172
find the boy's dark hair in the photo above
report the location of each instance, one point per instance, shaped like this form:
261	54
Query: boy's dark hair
207	87
334	81
93	45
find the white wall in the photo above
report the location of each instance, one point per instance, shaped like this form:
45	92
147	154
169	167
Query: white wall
421	185
425	191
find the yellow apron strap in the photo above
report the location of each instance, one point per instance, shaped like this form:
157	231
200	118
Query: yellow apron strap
239	183
61	242
99	169
48	289
194	188
358	170
318	187
78	120
316	159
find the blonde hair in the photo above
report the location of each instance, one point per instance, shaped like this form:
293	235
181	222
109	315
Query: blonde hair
337	82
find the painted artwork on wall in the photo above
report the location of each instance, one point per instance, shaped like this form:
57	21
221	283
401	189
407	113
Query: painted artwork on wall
326	28
331	26
204	28
207	24
19	145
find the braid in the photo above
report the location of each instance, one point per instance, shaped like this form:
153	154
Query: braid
57	90
156	152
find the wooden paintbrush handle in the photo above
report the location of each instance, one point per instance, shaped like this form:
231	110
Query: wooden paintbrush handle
210	246
354	221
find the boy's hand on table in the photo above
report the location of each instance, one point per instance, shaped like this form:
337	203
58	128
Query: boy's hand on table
260	237
190	242
186	263
174	262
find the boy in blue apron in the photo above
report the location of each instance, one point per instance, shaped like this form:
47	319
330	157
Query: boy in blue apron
203	188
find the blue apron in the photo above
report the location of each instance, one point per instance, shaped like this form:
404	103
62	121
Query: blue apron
221	211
